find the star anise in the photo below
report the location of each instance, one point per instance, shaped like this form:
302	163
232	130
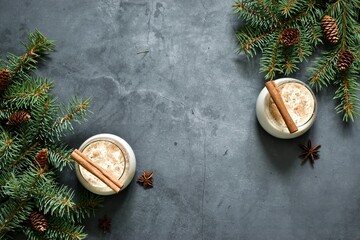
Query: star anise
309	153
105	224
146	179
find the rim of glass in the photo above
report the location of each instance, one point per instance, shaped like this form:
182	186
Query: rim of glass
117	145
285	81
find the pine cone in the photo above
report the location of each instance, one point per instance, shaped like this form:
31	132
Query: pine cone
5	79
345	60
329	27
41	158
290	36
38	221
18	117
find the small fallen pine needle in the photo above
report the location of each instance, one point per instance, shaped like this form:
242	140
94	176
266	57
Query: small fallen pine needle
309	153
105	224
143	52
146	179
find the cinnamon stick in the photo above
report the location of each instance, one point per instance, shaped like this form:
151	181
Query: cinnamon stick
107	174
96	170
275	95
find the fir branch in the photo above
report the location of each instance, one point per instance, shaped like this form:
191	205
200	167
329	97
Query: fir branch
14	212
5	178
239	7
248	42
38	45
325	70
75	111
86	205
24	187
8	148
270	63
289	7
253	18
290	61
315	33
5	113
346	94
30	92
29	150
59	156
58	229
302	48
271	14
55	200
275	18
19	206
32	234
26	184
43	116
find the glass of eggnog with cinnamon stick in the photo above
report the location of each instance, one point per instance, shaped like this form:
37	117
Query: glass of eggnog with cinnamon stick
102	160
286	108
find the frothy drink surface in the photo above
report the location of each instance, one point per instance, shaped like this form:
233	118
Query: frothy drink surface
108	156
299	102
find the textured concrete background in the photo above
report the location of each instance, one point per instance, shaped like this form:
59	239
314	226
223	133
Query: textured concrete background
187	108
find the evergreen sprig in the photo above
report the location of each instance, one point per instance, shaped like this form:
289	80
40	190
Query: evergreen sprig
24	185
326	72
264	22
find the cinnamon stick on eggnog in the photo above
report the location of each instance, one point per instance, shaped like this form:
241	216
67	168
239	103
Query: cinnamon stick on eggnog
275	95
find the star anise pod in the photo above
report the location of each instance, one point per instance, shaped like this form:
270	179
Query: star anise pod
146	179
309	153
105	224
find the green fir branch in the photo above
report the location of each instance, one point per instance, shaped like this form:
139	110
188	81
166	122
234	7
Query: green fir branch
86	205
60	229
37	46
75	111
5	178
264	23
26	94
9	149
290	63
32	234
13	213
24	154
290	7
55	200
25	187
43	116
59	156
324	71
347	95
5	113
270	63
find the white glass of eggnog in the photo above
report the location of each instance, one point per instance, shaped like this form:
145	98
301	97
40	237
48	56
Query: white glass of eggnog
300	102
113	154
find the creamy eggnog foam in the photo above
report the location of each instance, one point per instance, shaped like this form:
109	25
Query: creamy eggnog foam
108	156
299	102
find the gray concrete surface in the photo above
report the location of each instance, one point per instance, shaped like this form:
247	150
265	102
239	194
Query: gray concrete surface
187	107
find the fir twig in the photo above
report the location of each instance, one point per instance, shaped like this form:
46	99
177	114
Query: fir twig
346	94
24	185
75	111
38	45
264	23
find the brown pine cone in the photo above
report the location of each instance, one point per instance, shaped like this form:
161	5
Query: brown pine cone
290	36
329	27
346	58
38	221
18	117
5	79
41	158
